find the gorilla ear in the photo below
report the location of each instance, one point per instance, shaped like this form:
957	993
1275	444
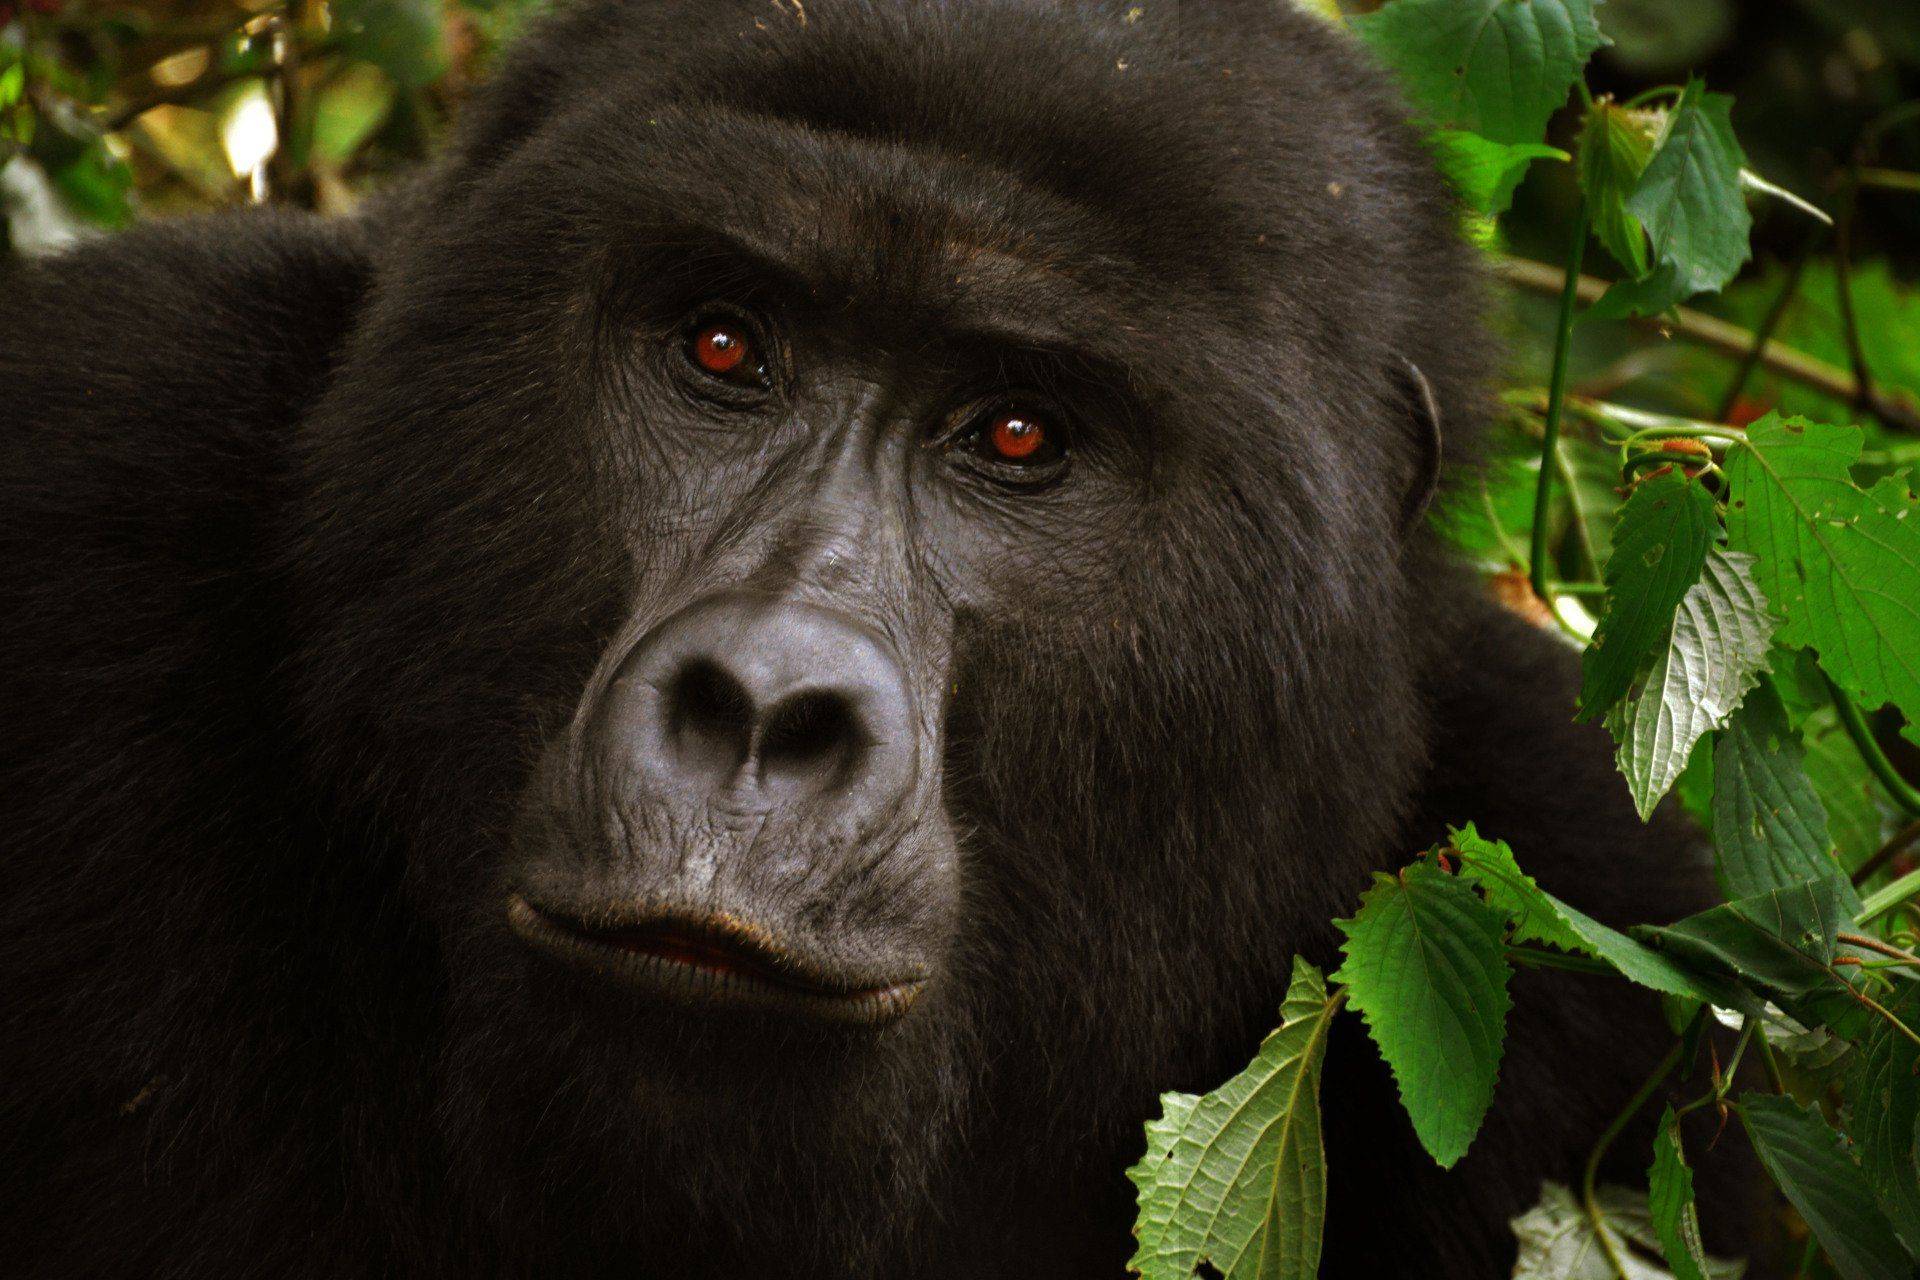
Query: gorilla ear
1424	410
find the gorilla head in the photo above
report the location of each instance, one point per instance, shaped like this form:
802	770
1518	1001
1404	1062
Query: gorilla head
861	550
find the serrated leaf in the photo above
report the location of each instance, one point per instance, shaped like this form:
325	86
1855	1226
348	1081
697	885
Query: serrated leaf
1485	173
1426	967
1670	1204
1840	563
1722	633
1558	1241
1237	1178
1615	145
1689	198
1884	1098
1781	942
1769	827
1809	1162
1495	67
1660	542
1538	916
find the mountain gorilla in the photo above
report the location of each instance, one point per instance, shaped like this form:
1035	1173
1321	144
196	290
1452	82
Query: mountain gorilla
732	682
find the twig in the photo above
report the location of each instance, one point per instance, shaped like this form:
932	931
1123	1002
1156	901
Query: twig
1789	288
1903	840
1895	408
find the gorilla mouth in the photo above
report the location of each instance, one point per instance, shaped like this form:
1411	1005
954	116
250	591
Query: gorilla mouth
712	962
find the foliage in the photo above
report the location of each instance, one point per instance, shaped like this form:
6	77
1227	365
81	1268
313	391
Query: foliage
1757	582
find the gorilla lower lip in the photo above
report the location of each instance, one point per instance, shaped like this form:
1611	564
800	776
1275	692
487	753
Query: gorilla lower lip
706	964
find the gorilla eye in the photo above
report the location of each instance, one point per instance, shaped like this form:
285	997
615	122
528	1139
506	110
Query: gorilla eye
725	349
1021	438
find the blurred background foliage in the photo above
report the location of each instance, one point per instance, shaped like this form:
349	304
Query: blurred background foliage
111	111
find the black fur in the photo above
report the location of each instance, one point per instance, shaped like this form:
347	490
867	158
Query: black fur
312	535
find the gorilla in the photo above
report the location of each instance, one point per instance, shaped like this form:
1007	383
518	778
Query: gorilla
734	678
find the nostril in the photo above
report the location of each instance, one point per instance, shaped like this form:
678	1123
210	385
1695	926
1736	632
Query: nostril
813	736
709	719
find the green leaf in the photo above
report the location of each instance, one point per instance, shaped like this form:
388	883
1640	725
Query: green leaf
1670	1204
1426	967
1884	1097
1660	542
1690	199
1841	564
1238	1178
1538	916
1615	145
1858	808
1495	67
1810	1163
1722	634
1781	941
1486	173
1558	1240
1769	828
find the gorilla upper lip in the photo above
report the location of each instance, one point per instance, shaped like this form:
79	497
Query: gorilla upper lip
711	961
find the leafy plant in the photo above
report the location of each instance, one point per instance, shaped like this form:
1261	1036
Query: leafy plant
1757	583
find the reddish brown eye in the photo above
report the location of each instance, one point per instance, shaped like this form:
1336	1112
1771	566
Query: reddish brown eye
1018	437
725	351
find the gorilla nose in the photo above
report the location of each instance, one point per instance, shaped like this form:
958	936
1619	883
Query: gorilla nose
767	705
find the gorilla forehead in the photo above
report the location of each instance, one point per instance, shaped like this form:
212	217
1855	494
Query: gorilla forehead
1242	168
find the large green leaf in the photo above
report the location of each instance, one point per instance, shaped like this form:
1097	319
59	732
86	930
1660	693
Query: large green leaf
1426	967
1884	1097
1841	564
1769	828
1781	942
1809	1162
1538	916
1721	637
1691	202
1238	1178
1660	542
1496	67
1690	199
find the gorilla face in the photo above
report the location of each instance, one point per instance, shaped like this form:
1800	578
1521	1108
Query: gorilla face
891	605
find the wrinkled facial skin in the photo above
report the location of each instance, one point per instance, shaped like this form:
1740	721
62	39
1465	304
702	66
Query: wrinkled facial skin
805	775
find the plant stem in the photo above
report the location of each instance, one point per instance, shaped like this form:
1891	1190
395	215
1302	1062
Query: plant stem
1557	397
1888	897
1540	958
1770	1063
1884	948
1904	793
1896	409
1614	1130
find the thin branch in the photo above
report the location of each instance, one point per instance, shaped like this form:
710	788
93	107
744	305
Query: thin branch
1895	408
1789	289
1904	839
